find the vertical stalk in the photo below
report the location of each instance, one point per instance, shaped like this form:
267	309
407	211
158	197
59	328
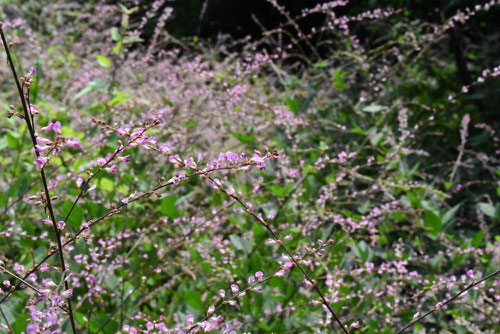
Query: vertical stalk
31	130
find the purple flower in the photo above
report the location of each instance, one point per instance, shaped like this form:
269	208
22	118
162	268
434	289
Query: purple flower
31	329
40	162
56	127
259	275
280	273
67	294
234	288
31	71
470	273
47	221
150	326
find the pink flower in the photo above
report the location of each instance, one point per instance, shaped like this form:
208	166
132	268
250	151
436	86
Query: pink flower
40	162
259	275
222	293
190	318
31	71
211	309
56	127
280	273
470	273
150	325
79	182
32	329
234	288
288	265
67	294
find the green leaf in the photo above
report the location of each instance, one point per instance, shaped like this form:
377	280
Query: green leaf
377	138
433	224
338	82
76	217
244	138
450	214
103	61
193	299
168	207
106	184
478	239
96	84
115	34
239	243
487	209
118	47
373	108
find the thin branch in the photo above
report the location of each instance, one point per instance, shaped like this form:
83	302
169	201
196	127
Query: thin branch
473	284
280	243
31	130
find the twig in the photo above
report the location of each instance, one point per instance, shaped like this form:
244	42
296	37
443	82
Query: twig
279	242
473	284
31	130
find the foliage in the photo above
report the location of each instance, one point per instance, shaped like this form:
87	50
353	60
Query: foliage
175	211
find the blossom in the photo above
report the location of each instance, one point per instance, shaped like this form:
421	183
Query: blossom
56	127
31	329
165	148
40	162
234	288
230	191
211	309
222	293
190	318
470	273
79	182
31	71
355	324
47	282
259	275
280	273
150	325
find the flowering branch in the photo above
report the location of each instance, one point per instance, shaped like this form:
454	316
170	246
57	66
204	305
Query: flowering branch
27	116
217	184
115	209
440	305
